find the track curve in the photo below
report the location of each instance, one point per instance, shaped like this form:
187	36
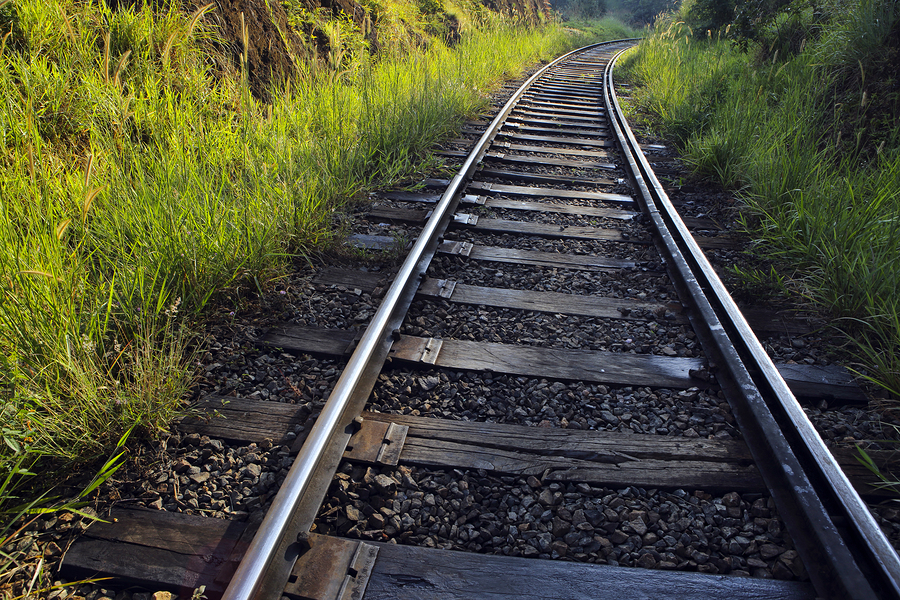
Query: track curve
548	371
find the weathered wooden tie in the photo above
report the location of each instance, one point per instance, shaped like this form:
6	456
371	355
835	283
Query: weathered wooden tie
597	457
809	381
168	551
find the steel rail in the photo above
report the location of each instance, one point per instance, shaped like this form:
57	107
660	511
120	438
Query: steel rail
248	579
796	464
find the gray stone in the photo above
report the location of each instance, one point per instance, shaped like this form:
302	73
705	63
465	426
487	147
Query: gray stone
782	571
385	483
560	548
560	527
732	499
770	551
646	561
429	383
755	562
638	526
199	478
251	471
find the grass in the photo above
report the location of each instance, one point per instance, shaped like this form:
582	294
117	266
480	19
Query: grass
606	28
140	181
137	187
22	508
818	167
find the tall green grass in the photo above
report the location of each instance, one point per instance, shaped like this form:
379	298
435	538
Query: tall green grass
140	180
827	208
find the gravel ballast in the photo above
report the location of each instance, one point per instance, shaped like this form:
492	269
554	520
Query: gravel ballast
479	512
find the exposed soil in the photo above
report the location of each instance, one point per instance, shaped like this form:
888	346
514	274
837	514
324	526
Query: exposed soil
268	35
273	45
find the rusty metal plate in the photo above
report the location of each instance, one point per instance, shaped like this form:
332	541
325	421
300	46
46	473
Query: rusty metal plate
365	444
416	349
442	288
360	571
465	219
392	445
430	351
460	248
331	569
377	442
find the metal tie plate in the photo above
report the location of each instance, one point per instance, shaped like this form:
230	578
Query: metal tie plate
331	569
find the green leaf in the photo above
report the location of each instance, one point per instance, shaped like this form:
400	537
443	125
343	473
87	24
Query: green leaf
84	514
13	444
109	467
868	463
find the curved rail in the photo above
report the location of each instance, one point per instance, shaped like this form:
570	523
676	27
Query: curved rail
805	479
249	577
796	466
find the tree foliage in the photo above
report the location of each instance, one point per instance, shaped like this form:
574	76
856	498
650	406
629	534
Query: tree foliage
581	9
771	25
644	12
708	15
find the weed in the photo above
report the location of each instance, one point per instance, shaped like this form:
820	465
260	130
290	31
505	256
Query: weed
19	514
757	283
888	481
824	197
140	182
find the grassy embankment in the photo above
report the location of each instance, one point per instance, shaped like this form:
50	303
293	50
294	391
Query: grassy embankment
605	28
139	180
805	126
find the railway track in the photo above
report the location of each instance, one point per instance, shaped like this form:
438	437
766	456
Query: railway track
554	380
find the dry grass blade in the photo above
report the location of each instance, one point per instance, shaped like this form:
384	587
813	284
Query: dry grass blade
167	48
88	170
196	17
61	228
88	200
31	167
37	571
121	66
106	50
71	584
69	31
36	272
245	36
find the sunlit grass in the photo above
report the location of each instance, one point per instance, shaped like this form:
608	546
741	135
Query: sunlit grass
772	131
140	181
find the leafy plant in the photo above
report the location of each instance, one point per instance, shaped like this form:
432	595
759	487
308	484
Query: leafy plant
888	481
645	12
18	513
581	9
757	282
